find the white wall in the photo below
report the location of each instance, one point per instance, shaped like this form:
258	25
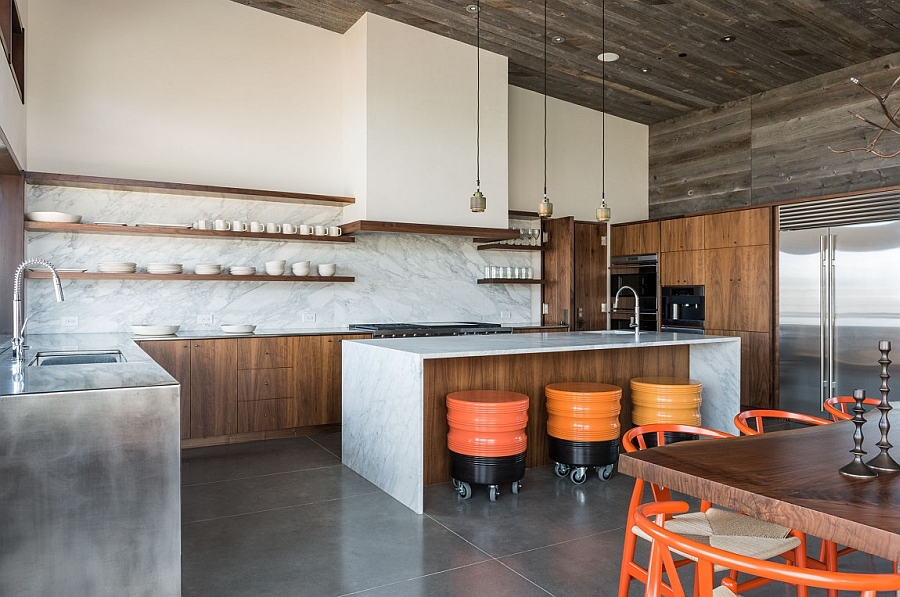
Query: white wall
196	91
574	158
420	127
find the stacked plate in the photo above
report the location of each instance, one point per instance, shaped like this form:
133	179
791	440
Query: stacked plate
52	216
243	270
164	268
208	269
117	267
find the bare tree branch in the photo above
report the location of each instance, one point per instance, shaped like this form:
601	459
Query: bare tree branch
892	121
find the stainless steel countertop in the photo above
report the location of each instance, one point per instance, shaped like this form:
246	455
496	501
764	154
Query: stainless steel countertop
138	370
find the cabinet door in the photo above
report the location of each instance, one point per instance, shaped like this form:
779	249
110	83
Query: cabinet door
681	268
739	289
214	387
634	239
590	276
741	228
757	370
175	357
318	374
264	353
558	270
681	234
265	384
267	415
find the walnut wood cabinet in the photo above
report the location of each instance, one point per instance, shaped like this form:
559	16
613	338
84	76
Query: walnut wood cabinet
266	392
682	234
214	389
175	358
641	238
590	276
739	288
740	228
318	377
681	268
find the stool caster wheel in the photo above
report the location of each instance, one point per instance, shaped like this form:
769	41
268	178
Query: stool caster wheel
604	472
455	484
516	486
578	475
561	469
464	490
495	491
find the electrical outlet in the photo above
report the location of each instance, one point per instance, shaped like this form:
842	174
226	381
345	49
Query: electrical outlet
206	318
545	308
69	321
307	317
505	315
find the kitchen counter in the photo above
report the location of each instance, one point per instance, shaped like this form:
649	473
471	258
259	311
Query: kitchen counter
394	390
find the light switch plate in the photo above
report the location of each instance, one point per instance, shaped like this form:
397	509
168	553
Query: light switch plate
545	308
69	321
307	317
207	318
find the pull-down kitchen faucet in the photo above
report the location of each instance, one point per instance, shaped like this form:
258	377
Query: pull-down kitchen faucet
637	311
19	319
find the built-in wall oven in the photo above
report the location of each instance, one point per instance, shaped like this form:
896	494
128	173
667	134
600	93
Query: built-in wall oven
640	272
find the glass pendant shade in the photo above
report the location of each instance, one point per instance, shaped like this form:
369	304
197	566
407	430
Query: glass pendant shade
478	202
603	212
545	208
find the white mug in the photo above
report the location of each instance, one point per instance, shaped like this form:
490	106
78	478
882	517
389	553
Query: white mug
202	225
288	229
257	227
222	225
239	226
321	231
334	231
305	229
273	228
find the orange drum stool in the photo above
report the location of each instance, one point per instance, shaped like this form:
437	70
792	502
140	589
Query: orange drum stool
487	439
583	425
666	400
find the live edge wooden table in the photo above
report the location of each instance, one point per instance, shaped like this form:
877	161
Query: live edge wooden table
788	477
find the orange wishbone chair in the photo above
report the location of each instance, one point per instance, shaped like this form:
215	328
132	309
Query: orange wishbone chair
751	536
651	519
837	406
752	422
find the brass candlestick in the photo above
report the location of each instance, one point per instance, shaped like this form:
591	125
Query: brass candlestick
858	468
884	462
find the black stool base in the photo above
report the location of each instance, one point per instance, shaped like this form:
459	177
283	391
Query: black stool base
583	453
487	470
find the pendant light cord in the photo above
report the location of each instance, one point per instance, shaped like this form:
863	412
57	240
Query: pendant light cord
545	100
603	104
478	96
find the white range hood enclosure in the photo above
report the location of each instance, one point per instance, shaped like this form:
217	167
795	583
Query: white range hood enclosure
410	127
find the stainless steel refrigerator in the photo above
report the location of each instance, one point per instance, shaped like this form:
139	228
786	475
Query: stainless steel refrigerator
839	294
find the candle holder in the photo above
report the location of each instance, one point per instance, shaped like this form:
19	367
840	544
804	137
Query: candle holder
858	468
883	461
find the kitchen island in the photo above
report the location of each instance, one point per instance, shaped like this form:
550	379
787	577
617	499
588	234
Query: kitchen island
394	390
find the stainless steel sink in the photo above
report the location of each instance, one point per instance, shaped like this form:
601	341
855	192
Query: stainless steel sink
76	357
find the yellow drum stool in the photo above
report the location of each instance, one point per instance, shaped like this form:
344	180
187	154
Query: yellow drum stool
666	400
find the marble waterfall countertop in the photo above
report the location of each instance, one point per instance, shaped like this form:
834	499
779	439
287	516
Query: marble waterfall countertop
138	370
442	347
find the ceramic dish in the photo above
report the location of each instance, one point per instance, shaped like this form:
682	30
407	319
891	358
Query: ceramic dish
52	216
238	328
154	330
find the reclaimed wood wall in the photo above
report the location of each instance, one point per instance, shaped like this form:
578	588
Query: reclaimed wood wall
774	147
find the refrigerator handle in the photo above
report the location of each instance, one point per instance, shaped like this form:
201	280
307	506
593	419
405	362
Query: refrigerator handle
823	318
832	382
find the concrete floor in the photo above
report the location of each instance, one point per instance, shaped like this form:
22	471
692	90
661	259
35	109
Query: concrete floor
284	517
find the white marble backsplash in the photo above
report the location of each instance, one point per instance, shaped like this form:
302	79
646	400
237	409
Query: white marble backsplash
399	277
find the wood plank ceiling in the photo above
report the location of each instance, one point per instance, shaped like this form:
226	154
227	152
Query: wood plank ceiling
777	42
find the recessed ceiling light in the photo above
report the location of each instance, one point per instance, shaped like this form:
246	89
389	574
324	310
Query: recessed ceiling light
472	8
608	57
645	69
728	38
682	54
557	39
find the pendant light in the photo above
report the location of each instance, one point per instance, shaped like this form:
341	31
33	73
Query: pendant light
603	212
545	209
478	201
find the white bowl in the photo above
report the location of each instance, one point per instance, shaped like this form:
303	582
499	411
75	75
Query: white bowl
154	329
279	263
300	271
52	216
275	272
238	328
327	269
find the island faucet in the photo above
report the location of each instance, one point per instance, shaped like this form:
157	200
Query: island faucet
637	310
19	319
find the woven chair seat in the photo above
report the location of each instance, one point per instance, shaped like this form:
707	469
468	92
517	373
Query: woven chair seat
732	531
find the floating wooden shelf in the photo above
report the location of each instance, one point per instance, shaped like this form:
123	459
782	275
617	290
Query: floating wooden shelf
516	214
409	228
189	277
510	281
150	186
496	247
179	232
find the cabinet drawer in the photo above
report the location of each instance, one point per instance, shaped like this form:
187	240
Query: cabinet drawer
267	415
262	384
265	353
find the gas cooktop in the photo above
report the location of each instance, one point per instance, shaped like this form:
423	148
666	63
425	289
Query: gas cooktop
452	328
